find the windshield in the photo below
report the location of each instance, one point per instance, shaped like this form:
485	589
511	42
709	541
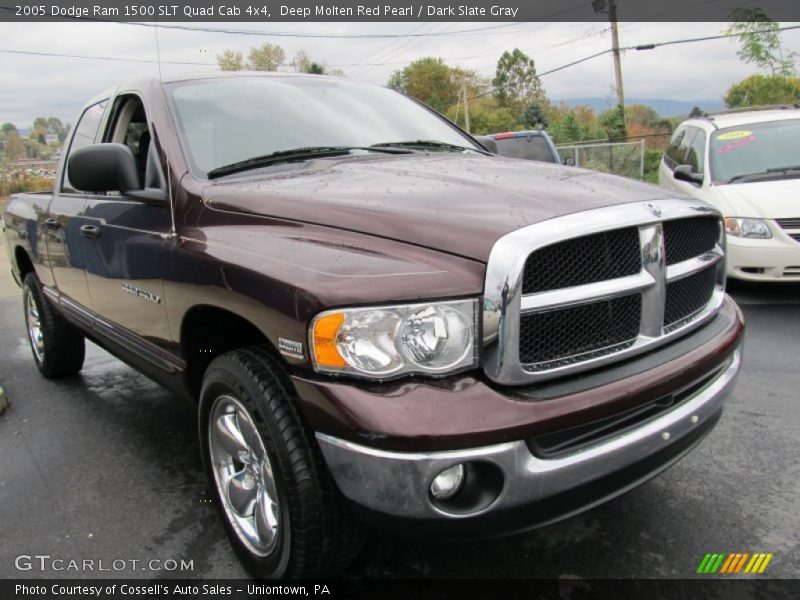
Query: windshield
754	149
225	121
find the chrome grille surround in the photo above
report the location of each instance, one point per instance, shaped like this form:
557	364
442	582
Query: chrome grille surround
501	328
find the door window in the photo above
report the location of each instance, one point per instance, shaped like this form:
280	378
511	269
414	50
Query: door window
696	155
129	126
671	153
85	134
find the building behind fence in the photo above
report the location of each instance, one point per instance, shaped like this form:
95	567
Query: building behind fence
619	158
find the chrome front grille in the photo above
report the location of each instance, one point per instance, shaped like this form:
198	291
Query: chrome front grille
583	290
793	227
789	223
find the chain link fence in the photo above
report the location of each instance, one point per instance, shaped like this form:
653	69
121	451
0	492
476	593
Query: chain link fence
618	158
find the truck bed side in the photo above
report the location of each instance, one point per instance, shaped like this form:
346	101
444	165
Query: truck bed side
23	221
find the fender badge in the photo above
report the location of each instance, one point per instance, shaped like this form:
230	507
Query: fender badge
140	293
290	348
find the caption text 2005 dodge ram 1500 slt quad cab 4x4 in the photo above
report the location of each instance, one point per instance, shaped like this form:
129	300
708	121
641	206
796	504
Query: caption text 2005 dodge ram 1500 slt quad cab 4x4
380	321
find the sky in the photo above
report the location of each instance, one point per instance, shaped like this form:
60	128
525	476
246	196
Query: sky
32	86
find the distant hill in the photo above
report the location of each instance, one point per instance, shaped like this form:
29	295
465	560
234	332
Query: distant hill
664	107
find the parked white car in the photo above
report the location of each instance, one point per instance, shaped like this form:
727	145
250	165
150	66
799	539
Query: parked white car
747	165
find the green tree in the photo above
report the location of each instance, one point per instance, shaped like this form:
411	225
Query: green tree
14	147
303	64
266	57
696	112
516	82
613	123
433	82
760	41
652	161
8	129
567	129
759	90
54	125
535	115
485	116
230	61
641	115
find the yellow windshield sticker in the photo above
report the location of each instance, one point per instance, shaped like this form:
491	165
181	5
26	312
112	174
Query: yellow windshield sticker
734	135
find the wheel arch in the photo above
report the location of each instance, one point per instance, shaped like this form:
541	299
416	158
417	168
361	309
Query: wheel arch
23	262
208	331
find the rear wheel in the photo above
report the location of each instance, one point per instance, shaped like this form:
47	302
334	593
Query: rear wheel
281	510
58	346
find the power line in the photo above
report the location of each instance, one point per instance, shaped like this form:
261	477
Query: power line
650	46
108	58
705	38
391	49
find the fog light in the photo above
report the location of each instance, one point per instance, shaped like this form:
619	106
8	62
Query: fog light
448	482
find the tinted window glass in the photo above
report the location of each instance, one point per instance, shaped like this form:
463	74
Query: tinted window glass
532	147
228	120
696	156
85	133
671	153
684	145
754	148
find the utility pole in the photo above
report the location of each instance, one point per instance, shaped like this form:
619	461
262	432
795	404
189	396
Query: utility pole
466	104
612	16
610	7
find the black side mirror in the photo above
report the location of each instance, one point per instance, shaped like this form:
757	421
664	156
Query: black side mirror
487	142
103	168
569	161
686	173
109	168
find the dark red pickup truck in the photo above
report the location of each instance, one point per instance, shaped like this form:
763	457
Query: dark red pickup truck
377	317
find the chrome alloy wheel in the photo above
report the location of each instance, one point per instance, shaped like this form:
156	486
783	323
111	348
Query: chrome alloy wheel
243	475
35	334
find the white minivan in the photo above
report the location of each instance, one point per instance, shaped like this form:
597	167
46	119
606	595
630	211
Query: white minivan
747	165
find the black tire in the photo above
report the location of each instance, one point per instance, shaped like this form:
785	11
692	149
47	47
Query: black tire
317	535
64	347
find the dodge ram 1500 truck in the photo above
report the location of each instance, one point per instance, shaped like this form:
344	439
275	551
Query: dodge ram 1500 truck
379	320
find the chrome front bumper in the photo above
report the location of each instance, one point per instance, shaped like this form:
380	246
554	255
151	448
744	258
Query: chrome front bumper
397	483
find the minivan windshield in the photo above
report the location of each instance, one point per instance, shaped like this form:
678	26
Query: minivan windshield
229	120
755	152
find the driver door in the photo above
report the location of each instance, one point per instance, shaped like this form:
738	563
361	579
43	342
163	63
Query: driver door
125	262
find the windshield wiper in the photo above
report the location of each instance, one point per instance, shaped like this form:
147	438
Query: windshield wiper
765	173
303	153
424	144
783	169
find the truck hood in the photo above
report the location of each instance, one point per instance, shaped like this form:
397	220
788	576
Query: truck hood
779	199
455	203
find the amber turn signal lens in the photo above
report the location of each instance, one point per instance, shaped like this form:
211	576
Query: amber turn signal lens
325	352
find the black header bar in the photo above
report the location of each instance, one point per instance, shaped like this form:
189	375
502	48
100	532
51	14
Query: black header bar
274	11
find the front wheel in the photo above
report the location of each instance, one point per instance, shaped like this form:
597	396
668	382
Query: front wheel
281	510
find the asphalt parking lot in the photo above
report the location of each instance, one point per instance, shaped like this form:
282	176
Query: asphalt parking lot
106	465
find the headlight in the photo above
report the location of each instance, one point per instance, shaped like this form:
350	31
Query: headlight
747	228
387	341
